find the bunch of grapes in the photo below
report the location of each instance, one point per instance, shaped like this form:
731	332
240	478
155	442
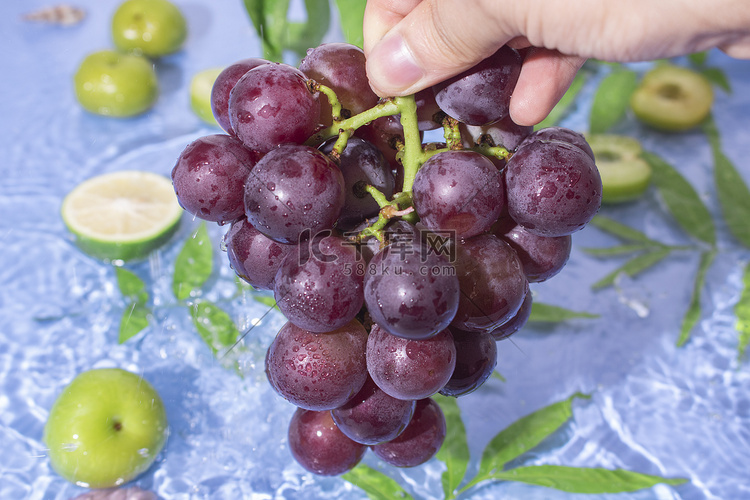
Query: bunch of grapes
398	264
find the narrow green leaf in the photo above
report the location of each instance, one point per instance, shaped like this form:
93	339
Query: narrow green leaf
693	313
134	319
553	314
269	20
612	100
266	299
214	325
622	231
698	58
351	14
616	250
567	100
734	195
585	480
194	264
742	311
377	485
131	285
455	451
496	374
682	200
634	266
521	436
302	36
718	78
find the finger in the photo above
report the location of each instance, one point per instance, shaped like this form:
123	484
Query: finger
433	42
545	76
381	16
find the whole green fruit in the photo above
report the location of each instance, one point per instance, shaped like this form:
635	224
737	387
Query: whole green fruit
113	84
153	28
106	428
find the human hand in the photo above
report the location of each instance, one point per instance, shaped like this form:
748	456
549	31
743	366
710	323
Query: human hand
413	44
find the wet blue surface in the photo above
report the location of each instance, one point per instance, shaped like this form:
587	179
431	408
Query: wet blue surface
655	408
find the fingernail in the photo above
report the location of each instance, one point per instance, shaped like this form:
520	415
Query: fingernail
392	65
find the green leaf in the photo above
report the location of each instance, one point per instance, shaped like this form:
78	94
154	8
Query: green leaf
302	36
612	100
585	480
131	285
718	78
269	18
693	313
134	319
214	325
454	452
682	200
496	374
734	195
521	436
377	485
351	14
561	108
634	266
622	231
742	311
194	264
698	58
553	314
616	250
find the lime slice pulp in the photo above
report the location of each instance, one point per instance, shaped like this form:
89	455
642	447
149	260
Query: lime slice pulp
122	215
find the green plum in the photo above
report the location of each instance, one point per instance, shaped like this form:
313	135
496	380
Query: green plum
105	428
672	98
153	28
625	175
200	94
113	84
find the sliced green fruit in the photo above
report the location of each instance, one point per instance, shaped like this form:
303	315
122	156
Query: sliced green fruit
153	28
122	215
110	83
625	175
672	98
200	94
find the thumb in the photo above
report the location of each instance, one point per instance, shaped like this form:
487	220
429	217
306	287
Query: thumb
436	40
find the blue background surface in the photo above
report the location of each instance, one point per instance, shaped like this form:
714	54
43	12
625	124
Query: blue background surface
655	408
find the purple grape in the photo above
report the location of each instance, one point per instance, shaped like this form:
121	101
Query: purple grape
410	369
209	177
515	323
319	288
493	284
559	134
481	94
428	110
254	257
361	163
421	439
271	105
223	86
460	192
553	188
294	190
340	66
505	133
319	446
372	416
476	357
411	290
318	371
542	257
386	133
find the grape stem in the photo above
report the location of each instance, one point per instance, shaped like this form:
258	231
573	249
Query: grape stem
330	94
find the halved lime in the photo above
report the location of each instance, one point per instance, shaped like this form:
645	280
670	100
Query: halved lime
122	215
625	175
200	94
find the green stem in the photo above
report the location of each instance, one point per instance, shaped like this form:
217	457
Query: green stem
413	155
385	108
379	197
498	152
332	98
452	133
